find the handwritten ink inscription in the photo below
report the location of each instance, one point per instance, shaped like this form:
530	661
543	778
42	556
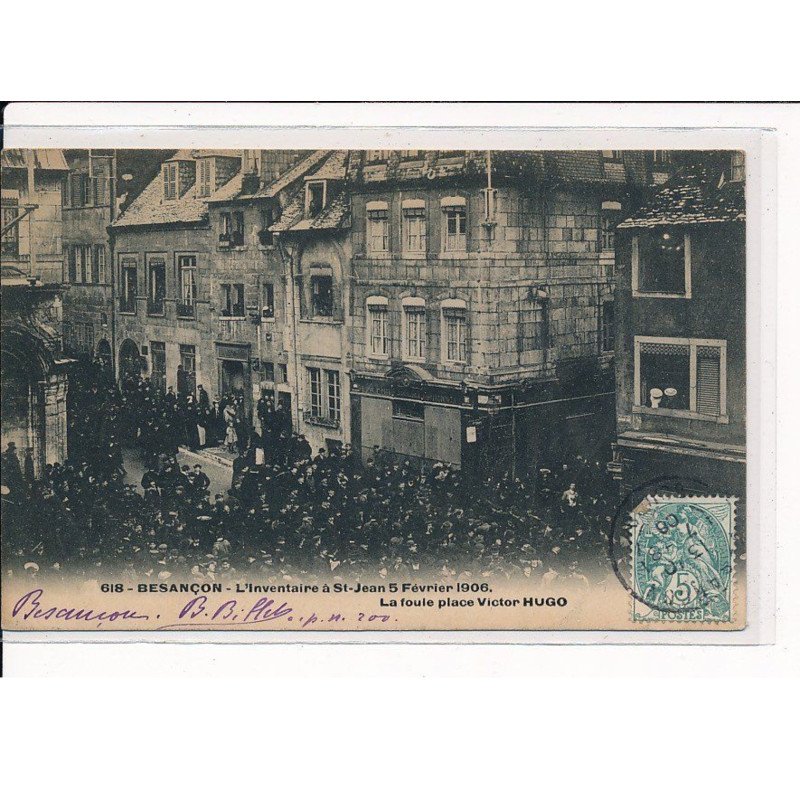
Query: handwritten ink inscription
198	612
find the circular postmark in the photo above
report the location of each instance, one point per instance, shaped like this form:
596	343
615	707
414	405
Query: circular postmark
620	534
681	558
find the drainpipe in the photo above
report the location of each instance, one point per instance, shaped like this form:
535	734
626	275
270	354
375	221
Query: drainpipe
31	196
292	321
112	261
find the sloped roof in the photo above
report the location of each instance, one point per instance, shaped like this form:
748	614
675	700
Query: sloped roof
695	194
569	166
331	166
150	207
42	159
334	168
287	178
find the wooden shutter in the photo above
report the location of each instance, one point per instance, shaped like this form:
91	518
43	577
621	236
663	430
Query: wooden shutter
708	382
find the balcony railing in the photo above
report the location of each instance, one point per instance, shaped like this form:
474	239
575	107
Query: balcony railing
127	305
185	310
316	419
155	306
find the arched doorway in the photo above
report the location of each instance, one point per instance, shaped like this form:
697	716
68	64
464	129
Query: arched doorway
33	397
104	354
130	361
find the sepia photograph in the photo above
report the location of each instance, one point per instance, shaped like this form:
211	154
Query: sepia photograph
366	389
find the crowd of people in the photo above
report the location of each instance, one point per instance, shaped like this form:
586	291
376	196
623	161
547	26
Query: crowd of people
289	514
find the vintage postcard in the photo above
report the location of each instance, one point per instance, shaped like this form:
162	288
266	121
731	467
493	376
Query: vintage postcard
374	390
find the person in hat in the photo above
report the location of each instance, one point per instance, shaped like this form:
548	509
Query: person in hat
12	472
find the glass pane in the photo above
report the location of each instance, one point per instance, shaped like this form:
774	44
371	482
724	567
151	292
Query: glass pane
665	377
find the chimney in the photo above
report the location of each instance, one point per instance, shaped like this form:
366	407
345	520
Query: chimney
275	162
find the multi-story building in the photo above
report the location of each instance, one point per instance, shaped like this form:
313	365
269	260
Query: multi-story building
313	240
164	294
34	379
250	317
680	347
89	204
482	302
200	279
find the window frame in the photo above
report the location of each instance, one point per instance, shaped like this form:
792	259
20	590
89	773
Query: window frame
151	260
268	300
693	345
100	263
309	185
414	306
414	210
180	270
170	178
377	309
128	262
454	309
377	215
453	205
325	396
228	293
312	279
738	168
210	164
9	242
687	271
267	218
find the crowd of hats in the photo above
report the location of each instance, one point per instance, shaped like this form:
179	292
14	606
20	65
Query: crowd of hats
295	517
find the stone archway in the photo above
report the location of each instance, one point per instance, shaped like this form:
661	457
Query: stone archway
104	354
34	393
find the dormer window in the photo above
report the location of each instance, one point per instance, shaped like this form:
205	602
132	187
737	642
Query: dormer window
378	155
316	197
612	155
660	159
206	181
170	170
737	165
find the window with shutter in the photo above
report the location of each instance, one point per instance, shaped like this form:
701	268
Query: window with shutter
708	375
73	262
681	377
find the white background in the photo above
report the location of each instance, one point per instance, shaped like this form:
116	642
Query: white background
647	720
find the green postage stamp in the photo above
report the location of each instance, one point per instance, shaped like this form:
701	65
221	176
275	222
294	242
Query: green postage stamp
683	558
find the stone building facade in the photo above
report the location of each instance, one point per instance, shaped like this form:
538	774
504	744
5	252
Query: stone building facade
681	337
313	239
33	366
482	303
165	295
88	203
250	315
200	284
